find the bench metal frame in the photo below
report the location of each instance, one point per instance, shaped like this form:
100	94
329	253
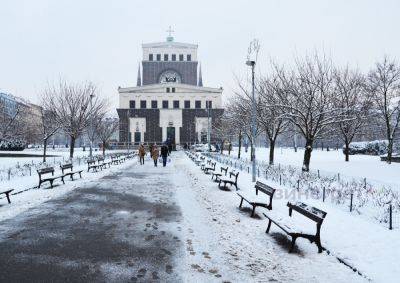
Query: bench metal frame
263	188
7	193
48	170
310	212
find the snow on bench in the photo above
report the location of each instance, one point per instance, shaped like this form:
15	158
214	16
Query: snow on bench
294	229
231	180
70	173
51	179
266	192
207	169
218	175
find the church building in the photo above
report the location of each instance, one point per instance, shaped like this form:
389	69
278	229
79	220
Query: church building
169	101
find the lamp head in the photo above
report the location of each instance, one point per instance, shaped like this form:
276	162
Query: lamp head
250	63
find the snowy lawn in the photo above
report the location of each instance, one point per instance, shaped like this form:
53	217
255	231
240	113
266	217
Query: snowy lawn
27	196
368	247
332	162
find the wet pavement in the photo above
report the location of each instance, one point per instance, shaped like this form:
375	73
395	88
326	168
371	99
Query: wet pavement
124	227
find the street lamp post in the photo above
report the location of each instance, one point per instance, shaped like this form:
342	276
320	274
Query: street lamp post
91	126
208	127
253	121
128	138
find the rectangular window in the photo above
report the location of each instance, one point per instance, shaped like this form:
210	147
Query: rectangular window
132	104
187	104
168	89
154	104
180	57
173	89
189	57
165	57
209	104
143	104
158	57
173	57
197	104
165	104
176	104
150	57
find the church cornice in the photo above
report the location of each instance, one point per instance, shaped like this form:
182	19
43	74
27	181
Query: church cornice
169	44
191	88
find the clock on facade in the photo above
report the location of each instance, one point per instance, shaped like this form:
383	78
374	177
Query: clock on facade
170	76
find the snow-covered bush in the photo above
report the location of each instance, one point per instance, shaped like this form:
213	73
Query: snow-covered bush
377	147
13	145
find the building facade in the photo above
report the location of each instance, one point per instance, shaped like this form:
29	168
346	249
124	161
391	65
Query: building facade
169	102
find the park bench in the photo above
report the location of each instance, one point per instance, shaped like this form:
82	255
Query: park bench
114	160
199	160
218	175
92	165
102	163
204	164
50	179
263	192
210	168
70	173
296	230
231	180
7	193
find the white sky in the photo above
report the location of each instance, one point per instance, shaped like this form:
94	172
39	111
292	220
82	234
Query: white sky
43	40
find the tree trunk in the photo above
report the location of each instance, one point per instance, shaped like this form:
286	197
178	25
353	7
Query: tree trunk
307	155
72	146
240	144
222	146
104	148
346	150
44	149
271	151
390	151
251	151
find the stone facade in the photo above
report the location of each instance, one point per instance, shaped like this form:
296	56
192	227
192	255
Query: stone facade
169	101
152	71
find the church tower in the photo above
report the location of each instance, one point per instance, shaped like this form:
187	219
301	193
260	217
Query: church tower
169	102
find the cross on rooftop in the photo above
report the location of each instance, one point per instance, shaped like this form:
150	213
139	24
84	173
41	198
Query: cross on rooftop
170	31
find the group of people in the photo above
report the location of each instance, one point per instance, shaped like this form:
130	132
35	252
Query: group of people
154	153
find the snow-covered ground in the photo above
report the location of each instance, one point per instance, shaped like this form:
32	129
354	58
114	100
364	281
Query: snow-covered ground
27	196
370	248
222	240
332	162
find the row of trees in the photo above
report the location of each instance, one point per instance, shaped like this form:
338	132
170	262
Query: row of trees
75	109
72	109
315	99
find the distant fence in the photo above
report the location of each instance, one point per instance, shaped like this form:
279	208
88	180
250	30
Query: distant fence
378	201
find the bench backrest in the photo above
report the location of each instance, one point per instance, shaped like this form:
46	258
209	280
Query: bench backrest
308	211
66	166
234	174
264	189
213	165
224	169
100	159
89	162
46	170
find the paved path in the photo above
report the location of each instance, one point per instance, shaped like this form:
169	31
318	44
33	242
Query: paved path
123	227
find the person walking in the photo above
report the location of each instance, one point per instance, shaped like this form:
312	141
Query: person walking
164	154
155	154
150	150
142	153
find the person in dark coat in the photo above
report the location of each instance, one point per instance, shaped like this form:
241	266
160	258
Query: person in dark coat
164	154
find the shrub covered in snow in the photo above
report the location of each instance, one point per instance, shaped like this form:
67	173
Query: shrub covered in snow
12	145
377	147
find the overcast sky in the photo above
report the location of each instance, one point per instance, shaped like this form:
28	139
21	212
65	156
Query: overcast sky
100	41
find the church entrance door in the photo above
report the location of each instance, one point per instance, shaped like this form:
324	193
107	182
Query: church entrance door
137	137
171	135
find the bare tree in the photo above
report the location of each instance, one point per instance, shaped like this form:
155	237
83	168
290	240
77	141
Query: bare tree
105	128
11	121
48	126
306	99
353	102
269	115
384	85
71	105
